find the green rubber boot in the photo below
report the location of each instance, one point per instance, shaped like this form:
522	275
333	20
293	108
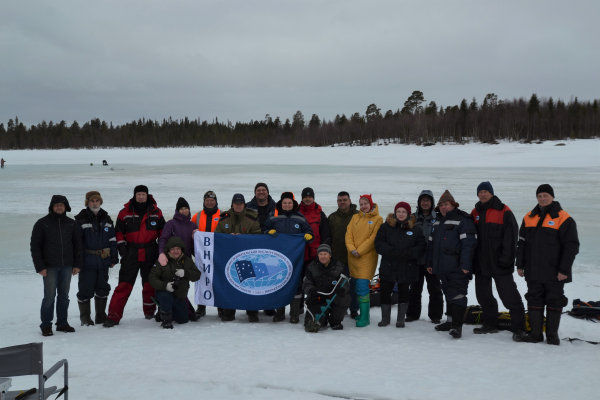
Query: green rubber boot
364	302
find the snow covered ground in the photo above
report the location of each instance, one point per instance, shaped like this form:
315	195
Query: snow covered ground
214	360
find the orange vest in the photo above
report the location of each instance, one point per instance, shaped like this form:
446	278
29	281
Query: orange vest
201	223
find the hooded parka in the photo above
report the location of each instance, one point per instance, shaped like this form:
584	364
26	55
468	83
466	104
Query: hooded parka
360	236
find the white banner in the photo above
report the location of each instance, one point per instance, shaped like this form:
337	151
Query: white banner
204	243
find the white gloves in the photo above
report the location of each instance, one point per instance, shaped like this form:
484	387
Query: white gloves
179	273
170	287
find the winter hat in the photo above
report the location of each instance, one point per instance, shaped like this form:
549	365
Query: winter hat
210	195
58	198
140	188
181	203
308	192
259	184
404	205
485	186
368	197
545	188
93	195
324	247
288	195
238	198
447	196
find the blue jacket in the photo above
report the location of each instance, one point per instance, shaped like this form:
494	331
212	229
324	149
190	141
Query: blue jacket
452	243
97	234
292	222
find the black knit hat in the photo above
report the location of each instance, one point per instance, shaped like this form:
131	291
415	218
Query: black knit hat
238	198
324	247
308	192
140	188
485	186
259	184
545	188
287	195
181	203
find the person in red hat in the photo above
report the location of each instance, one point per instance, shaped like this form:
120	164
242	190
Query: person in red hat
401	244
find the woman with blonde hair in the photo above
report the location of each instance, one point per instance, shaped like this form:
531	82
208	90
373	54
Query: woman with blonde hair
362	257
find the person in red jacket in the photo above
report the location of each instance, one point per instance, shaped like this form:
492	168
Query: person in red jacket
139	225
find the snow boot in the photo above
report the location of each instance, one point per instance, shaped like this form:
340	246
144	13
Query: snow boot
536	321
279	315
252	316
201	311
228	315
552	324
65	328
337	327
100	306
149	316
401	315
270	313
518	335
445	327
167	319
193	316
364	302
354	315
109	323
458	314
295	310
485	329
47	331
386	311
85	312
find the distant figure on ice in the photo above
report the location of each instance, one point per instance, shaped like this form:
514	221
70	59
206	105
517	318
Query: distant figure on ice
548	244
99	254
56	252
2	162
104	163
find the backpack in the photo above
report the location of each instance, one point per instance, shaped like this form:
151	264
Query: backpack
589	310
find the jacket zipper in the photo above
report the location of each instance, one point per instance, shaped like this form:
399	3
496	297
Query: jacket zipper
62	247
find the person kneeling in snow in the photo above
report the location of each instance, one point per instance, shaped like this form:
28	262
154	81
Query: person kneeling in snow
172	282
322	275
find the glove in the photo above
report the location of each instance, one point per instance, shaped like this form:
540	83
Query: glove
312	292
308	237
170	287
162	259
340	291
122	250
272	232
179	273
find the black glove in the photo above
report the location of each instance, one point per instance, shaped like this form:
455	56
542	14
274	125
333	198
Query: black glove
312	292
339	290
122	250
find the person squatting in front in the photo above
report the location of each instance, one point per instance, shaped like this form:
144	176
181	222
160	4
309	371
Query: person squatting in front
362	257
139	225
401	244
99	254
453	241
172	282
548	244
287	219
323	281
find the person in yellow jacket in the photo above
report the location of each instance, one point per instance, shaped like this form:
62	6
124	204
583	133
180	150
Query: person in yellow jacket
362	257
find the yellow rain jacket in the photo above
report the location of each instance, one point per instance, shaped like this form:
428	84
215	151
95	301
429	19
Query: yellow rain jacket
360	236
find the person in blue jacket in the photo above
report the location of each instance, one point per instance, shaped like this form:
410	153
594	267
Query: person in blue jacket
287	219
452	245
99	254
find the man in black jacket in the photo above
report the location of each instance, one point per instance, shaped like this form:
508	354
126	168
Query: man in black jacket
495	259
56	252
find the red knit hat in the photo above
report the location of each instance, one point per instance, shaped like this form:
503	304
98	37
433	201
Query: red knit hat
368	197
404	205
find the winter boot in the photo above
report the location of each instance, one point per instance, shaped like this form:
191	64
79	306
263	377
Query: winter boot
519	335
47	331
252	316
445	327
193	316
109	323
295	310
100	305
85	312
167	319
485	329
386	311
65	328
536	321
279	315
354	315
458	315
270	313
552	324
228	315
336	326
401	315
219	312
364	302
201	311
149	316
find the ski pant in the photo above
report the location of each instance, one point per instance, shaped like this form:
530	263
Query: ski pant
551	294
334	315
92	282
436	297
127	276
57	283
508	293
387	287
455	286
168	302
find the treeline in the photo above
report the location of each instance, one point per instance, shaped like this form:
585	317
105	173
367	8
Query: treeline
418	121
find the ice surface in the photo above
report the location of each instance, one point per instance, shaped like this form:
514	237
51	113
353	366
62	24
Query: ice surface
214	360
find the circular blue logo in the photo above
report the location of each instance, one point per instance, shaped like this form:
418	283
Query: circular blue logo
226	225
477	218
409	233
216	219
370	222
106	229
258	271
550	222
153	223
296	226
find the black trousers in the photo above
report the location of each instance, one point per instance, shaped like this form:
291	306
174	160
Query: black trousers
455	286
385	295
436	297
508	293
551	294
334	315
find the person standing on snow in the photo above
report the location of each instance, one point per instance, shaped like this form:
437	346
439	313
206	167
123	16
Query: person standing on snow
206	221
139	225
238	220
56	252
99	254
401	244
287	219
338	225
548	244
497	232
453	241
425	217
362	257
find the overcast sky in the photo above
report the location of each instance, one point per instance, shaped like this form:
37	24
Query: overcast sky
239	60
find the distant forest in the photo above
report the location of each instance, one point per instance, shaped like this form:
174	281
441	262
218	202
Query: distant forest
418	121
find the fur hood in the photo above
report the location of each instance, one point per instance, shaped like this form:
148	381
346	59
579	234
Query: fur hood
392	221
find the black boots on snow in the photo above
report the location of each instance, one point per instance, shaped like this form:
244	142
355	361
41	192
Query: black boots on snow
201	311
252	316
536	321
295	310
485	329
458	315
279	315
401	315
100	305
167	319
85	312
386	312
552	323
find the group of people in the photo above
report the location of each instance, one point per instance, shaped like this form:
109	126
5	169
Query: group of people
442	245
